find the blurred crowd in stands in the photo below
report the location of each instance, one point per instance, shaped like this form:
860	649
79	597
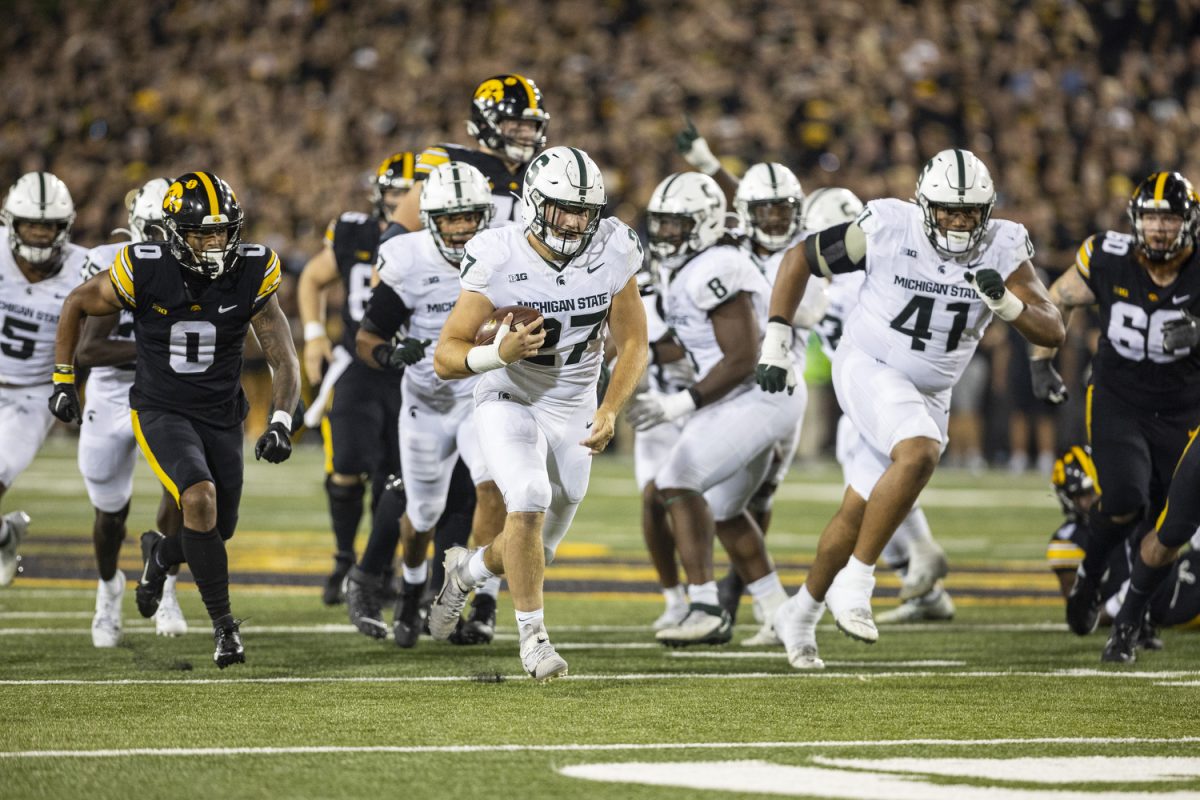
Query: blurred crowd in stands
294	101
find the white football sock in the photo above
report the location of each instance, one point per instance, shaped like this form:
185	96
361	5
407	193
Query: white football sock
490	587
477	569
704	593
766	586
416	575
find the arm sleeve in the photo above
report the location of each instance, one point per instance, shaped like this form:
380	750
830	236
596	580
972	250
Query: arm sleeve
385	313
837	250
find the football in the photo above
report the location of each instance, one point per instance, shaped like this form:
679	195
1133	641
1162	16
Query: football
522	315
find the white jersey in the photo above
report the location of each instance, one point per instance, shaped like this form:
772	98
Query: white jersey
916	311
702	284
110	382
574	300
664	378
427	284
29	315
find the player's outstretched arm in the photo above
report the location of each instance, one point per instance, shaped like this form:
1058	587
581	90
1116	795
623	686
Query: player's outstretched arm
627	321
96	349
275	337
457	356
319	274
96	297
1066	294
1041	323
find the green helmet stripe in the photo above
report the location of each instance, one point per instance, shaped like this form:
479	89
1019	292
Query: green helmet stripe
42	188
962	173
583	174
771	172
457	181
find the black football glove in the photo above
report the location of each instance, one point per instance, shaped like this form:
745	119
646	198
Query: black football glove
686	137
64	403
1182	333
275	445
988	282
1047	383
408	352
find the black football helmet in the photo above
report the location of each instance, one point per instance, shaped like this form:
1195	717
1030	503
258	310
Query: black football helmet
508	97
200	203
1073	478
1165	193
395	173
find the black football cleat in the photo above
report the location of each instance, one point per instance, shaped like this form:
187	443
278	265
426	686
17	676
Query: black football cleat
1083	604
1148	638
406	627
334	592
150	585
480	626
1121	645
729	594
364	603
229	645
426	603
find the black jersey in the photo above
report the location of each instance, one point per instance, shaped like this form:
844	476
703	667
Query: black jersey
1131	362
354	237
191	334
506	186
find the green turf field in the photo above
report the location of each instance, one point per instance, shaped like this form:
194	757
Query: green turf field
1003	697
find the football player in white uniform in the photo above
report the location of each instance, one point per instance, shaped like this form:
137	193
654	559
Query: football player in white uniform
715	302
912	550
39	266
536	410
670	372
107	447
937	271
419	286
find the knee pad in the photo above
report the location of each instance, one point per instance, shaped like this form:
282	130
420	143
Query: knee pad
344	493
533	495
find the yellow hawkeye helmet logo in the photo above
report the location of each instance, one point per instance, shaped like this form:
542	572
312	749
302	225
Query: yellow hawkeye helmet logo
490	90
173	201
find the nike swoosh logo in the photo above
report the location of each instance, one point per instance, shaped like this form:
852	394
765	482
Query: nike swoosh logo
1181	300
223	309
590	270
589	425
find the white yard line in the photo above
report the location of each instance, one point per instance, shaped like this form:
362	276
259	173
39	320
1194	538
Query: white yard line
492	677
574	748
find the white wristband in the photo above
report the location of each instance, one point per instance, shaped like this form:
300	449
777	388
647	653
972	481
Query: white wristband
777	343
485	358
314	330
284	417
702	158
1008	307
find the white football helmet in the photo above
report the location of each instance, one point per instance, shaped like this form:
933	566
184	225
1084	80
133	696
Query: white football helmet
686	215
825	208
955	179
563	179
146	211
768	204
39	197
453	193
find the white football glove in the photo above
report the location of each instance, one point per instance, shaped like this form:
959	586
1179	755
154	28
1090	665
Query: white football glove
776	371
648	410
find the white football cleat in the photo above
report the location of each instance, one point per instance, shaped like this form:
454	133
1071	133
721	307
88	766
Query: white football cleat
935	606
704	624
849	600
106	625
168	620
671	617
765	610
10	562
448	605
539	658
799	636
923	573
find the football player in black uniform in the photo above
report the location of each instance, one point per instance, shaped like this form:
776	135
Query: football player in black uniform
1176	601
1144	398
509	121
193	299
360	428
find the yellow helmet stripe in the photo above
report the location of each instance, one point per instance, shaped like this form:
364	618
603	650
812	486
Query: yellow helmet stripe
213	204
528	90
1160	186
409	165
